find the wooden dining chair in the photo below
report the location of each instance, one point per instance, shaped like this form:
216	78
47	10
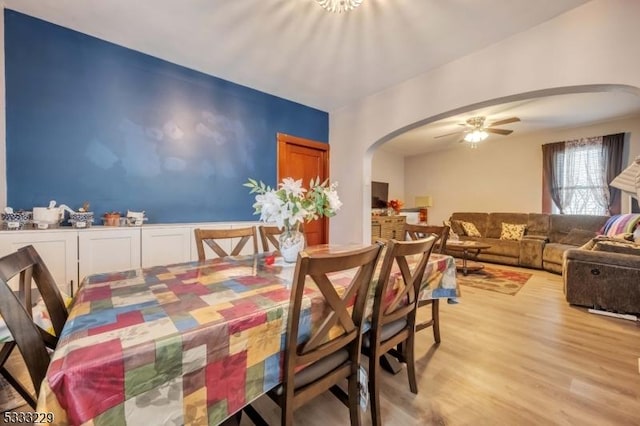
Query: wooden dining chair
393	319
331	353
269	236
28	266
209	237
415	232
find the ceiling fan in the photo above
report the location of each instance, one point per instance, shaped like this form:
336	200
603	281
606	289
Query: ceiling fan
476	131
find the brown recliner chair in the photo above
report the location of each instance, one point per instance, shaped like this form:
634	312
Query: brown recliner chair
605	277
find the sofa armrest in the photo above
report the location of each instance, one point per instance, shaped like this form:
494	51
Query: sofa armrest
603	257
531	250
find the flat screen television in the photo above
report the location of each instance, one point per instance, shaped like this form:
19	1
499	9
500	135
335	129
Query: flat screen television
379	195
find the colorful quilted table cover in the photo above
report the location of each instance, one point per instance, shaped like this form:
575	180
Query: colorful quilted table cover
189	343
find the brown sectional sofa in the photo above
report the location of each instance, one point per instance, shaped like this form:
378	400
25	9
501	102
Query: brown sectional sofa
546	238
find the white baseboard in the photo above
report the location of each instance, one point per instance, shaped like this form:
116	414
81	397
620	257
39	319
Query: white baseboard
613	314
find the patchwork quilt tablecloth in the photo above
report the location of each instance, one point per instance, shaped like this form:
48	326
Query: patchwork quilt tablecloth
189	343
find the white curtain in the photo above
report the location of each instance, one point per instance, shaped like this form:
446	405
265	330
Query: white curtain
584	189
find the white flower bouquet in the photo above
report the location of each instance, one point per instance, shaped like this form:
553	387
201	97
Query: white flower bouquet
291	204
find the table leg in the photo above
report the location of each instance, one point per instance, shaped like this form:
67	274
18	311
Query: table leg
465	253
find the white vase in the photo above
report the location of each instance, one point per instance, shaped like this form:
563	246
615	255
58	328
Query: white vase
291	243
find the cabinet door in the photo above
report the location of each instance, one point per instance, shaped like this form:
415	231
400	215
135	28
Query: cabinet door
166	245
58	250
108	250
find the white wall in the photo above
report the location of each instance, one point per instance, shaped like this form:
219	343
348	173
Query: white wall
389	167
504	174
591	45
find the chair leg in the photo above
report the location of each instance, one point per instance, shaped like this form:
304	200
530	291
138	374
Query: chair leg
354	398
287	414
24	393
411	362
254	416
435	314
374	392
233	420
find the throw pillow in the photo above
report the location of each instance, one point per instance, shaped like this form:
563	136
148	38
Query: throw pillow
456	227
620	224
512	231
452	234
470	229
577	237
618	247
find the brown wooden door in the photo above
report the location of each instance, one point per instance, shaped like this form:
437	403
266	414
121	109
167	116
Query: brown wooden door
305	159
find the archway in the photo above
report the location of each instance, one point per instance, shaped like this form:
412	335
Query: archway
533	95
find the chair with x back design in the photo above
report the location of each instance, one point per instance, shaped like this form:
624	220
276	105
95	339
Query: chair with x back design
209	237
16	310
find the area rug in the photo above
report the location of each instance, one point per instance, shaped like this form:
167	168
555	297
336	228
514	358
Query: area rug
494	279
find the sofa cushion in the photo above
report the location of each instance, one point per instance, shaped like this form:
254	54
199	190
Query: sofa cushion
480	220
512	231
495	221
621	238
538	224
507	248
470	229
553	252
455	226
578	237
620	224
562	224
618	247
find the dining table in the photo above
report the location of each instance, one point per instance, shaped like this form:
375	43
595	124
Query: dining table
189	343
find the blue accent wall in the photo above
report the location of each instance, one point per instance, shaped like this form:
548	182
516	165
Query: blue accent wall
88	120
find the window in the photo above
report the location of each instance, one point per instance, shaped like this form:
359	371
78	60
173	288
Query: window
577	173
584	189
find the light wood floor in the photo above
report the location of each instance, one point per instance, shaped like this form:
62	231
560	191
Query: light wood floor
528	359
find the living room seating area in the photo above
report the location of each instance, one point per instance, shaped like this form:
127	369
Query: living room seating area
598	256
542	240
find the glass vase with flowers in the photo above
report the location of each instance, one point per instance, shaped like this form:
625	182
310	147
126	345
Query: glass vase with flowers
290	204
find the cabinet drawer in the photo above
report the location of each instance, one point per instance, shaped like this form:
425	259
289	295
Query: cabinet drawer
387	227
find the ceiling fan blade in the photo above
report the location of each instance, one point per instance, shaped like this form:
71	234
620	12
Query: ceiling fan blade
447	134
505	121
498	131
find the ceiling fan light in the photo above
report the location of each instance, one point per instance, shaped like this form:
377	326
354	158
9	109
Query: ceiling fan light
339	5
476	136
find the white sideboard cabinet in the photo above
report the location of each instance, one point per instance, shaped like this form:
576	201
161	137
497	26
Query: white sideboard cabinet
72	254
58	248
166	244
108	249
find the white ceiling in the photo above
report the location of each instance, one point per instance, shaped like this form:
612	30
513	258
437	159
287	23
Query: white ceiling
541	114
296	50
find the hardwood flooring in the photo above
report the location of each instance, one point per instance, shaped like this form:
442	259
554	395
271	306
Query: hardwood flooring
528	359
